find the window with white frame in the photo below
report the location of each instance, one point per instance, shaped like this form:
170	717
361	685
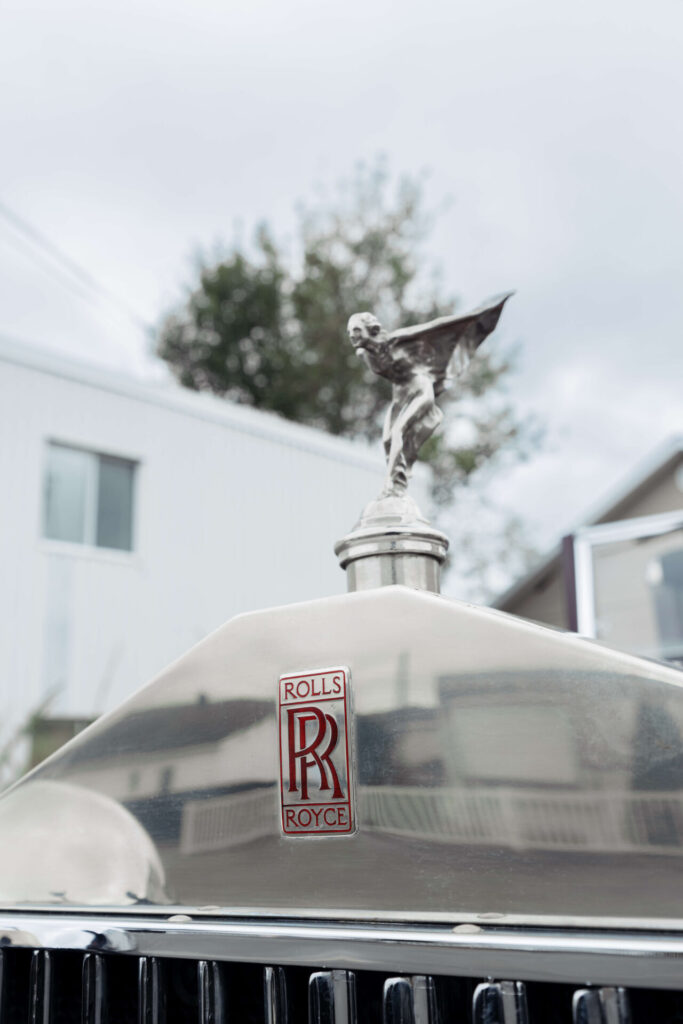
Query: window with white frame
88	497
629	584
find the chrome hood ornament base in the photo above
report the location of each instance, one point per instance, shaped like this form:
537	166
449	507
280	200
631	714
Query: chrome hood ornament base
393	542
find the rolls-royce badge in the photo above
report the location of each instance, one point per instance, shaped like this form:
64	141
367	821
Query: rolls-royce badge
316	783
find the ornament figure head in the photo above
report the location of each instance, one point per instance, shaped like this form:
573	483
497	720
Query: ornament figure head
364	330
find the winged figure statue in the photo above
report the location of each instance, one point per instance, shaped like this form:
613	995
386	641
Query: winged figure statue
420	362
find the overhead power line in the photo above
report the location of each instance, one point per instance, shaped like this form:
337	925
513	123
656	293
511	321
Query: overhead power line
87	285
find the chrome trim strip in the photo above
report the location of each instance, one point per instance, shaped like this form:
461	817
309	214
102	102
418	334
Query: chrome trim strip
580	957
370	918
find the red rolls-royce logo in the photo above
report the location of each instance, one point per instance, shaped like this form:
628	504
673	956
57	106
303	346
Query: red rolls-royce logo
316	788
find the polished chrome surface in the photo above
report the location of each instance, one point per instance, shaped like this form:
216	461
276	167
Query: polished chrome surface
422	572
638	959
601	1006
418	361
503	769
393	543
502	1002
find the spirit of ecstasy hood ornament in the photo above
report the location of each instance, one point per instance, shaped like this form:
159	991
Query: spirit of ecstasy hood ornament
419	361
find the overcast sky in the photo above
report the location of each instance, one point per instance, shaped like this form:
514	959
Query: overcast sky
135	131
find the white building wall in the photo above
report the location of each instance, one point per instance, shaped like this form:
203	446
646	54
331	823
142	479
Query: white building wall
234	510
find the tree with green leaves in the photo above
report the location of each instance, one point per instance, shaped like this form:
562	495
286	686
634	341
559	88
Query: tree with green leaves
268	330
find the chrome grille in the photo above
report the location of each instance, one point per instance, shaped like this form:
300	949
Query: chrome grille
63	987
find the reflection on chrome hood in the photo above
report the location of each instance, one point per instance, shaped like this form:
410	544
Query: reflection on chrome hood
65	843
502	769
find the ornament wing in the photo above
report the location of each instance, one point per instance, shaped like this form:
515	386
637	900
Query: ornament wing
450	341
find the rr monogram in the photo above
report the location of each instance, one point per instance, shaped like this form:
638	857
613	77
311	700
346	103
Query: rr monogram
299	750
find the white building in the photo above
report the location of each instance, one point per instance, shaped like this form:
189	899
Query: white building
136	517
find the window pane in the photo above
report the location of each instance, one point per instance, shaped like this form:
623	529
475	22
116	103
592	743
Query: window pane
65	493
115	503
639	594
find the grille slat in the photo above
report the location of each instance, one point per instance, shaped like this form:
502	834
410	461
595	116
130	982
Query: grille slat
40	988
211	992
601	1006
275	995
93	990
151	1002
332	997
409	1000
503	1002
398	1002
